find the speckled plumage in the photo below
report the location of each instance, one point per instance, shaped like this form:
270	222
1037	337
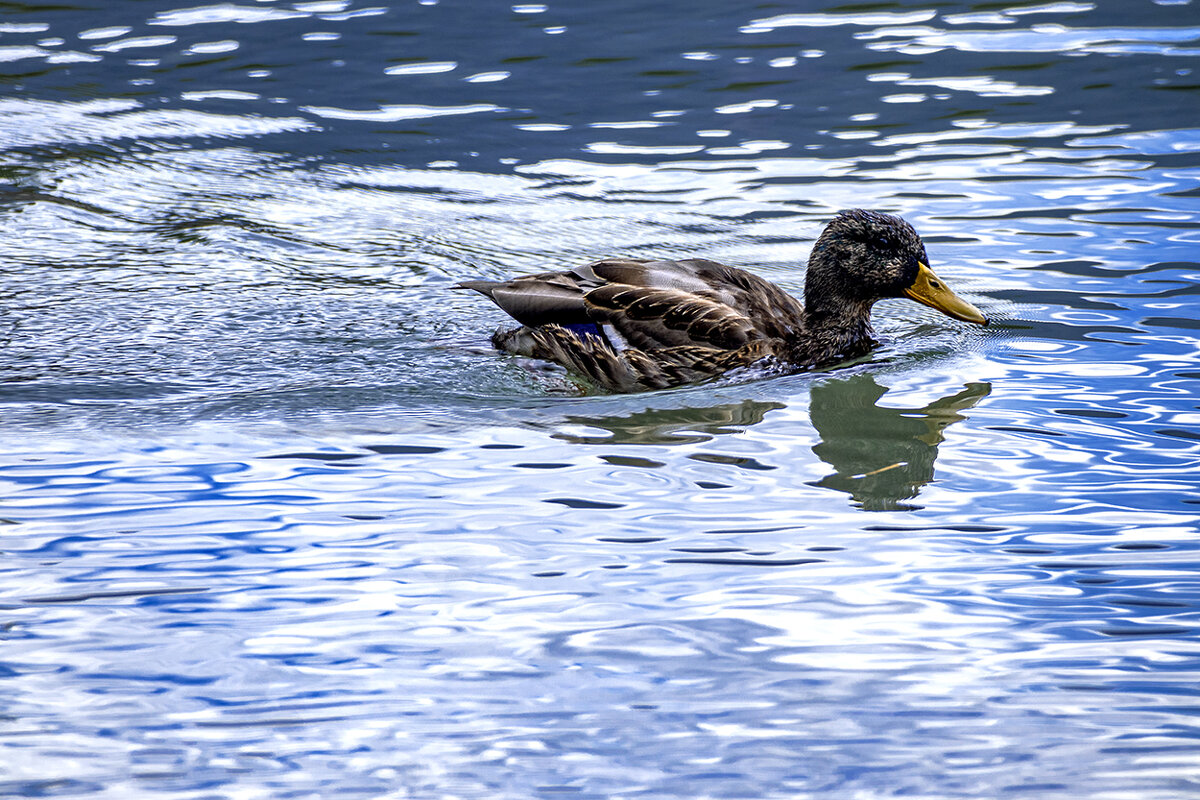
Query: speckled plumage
629	324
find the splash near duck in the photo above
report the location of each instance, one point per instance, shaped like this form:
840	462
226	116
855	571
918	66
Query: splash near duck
629	325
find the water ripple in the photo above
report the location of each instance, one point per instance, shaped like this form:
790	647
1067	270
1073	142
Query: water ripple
278	520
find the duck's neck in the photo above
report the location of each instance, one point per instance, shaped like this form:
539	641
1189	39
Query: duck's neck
837	328
837	313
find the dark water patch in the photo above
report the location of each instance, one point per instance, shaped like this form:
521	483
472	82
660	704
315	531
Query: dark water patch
323	456
632	539
410	449
965	528
1173	323
754	530
633	461
708	549
115	593
1141	546
1147	630
1178	433
575	502
1019	429
1094	413
748	562
49	788
1137	602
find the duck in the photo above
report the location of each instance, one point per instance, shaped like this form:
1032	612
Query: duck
630	324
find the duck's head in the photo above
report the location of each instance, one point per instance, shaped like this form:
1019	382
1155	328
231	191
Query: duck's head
864	256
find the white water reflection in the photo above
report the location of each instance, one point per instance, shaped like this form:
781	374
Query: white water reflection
1039	39
397	113
26	123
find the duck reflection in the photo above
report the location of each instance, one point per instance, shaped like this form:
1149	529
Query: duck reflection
673	425
881	456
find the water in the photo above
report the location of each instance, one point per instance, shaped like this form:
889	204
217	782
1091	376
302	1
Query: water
277	523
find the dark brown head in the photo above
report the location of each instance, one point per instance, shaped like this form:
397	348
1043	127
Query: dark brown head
864	256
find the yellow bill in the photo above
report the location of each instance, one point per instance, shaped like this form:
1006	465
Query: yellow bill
928	289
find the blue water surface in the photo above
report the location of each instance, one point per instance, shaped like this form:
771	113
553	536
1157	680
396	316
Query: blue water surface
278	523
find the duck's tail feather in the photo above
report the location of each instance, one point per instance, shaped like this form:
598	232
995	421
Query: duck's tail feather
552	297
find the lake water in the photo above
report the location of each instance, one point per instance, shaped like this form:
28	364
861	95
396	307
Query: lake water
277	522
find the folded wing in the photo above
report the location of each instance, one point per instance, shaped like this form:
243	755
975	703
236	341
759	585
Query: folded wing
653	304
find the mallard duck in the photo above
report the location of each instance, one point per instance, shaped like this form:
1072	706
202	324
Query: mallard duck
631	324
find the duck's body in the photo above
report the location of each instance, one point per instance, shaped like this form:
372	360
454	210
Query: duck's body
629	325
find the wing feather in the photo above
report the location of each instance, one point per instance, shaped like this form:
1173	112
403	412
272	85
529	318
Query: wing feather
650	318
775	313
544	299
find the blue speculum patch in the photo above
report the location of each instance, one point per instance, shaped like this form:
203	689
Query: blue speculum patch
583	330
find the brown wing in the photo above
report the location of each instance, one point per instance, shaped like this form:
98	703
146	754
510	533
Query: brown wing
653	304
651	319
771	312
